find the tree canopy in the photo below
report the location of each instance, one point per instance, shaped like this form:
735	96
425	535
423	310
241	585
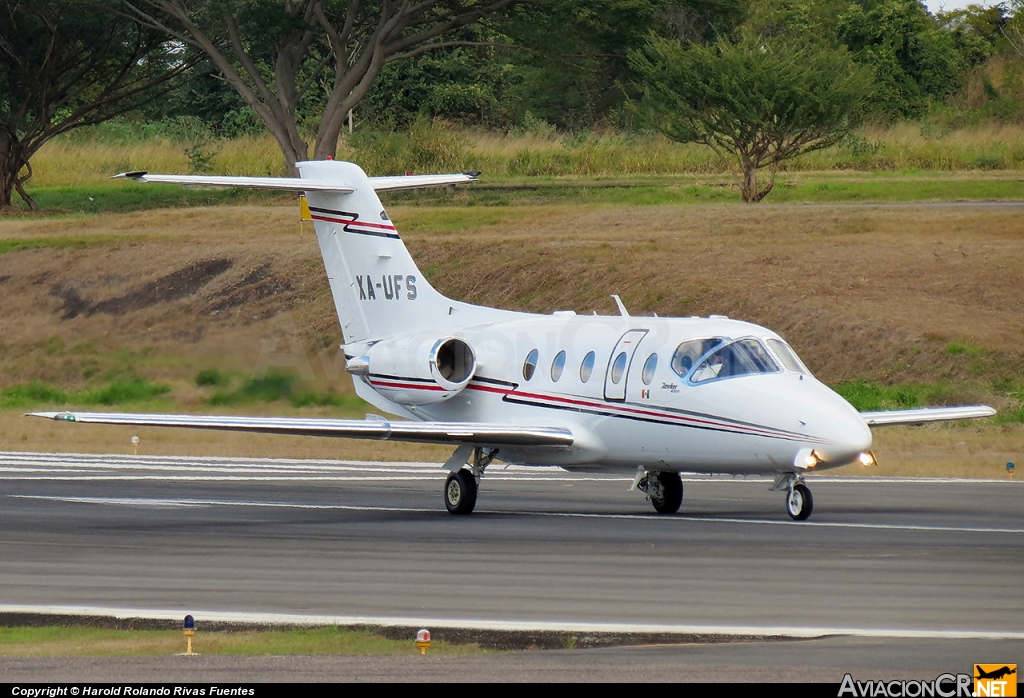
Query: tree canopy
65	64
755	103
282	55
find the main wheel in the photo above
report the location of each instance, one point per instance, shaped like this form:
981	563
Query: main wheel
460	492
799	503
670	497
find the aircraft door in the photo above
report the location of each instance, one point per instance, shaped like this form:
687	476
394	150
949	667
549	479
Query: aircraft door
619	363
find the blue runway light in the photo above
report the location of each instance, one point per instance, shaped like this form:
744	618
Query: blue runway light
190	623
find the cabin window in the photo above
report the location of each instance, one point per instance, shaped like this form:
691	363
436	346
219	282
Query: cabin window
787	356
557	366
688	354
530	366
618	368
587	367
650	366
743	357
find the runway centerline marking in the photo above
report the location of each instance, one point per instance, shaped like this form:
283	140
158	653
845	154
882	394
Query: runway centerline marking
680	519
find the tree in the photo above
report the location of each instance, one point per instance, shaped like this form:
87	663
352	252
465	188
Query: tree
303	64
914	59
65	64
755	104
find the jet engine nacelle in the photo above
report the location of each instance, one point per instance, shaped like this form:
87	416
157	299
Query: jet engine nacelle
420	369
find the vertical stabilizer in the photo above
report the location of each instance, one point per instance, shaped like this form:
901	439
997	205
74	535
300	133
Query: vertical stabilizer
377	288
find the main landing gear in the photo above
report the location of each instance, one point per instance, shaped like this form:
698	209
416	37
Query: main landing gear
663	489
460	489
799	502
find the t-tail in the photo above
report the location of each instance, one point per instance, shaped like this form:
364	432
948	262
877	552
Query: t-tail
377	288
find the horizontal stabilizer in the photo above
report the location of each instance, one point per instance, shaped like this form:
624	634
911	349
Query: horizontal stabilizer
378	429
279	183
920	415
297	184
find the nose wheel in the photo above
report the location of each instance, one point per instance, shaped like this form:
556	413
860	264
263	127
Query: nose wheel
799	502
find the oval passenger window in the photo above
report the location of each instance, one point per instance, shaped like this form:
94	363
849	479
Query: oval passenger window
530	366
557	366
650	366
618	368
587	367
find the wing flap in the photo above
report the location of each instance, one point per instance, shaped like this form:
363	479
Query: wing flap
920	415
382	430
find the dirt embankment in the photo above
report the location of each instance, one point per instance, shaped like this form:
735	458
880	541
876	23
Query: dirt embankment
861	292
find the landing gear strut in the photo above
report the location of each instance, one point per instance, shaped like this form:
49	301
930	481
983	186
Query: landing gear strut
799	502
460	489
664	490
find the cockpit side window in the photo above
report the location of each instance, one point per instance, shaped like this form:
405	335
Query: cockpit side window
742	357
689	352
787	356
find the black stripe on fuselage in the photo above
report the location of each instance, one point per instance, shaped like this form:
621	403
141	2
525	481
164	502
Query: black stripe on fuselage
353	221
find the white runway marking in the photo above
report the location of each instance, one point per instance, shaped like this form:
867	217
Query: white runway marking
277	619
677	519
89	466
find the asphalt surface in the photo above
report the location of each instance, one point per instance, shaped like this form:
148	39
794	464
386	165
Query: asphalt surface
894	566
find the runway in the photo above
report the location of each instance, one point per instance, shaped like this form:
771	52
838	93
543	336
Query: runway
335	541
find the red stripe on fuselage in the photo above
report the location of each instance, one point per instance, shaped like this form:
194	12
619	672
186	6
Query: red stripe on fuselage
351	221
610	410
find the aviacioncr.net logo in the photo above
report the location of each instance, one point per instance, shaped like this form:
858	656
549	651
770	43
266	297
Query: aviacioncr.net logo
943	686
995	680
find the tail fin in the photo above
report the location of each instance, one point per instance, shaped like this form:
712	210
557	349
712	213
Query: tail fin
377	288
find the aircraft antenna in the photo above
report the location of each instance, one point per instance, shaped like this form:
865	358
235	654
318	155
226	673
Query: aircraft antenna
622	309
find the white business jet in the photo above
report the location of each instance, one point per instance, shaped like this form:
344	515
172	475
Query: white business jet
645	395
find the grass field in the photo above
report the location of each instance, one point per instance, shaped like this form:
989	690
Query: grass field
72	641
90	156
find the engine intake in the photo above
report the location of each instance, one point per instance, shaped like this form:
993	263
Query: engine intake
419	369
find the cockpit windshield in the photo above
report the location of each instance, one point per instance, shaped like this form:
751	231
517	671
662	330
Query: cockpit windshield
787	356
742	357
689	352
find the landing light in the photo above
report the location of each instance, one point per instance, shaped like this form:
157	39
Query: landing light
806	458
867	459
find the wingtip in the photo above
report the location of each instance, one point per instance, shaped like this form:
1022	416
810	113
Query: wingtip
137	175
57	416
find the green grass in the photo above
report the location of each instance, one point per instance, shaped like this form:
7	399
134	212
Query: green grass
119	391
121	197
273	387
64	242
871	396
76	641
494	191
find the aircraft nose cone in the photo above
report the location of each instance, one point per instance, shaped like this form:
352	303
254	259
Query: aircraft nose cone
847	435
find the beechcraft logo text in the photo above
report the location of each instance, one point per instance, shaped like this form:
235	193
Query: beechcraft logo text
995	680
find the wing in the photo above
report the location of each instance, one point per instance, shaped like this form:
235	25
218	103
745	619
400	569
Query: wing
920	415
381	430
297	184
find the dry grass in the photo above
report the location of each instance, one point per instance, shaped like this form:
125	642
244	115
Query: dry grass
77	161
875	293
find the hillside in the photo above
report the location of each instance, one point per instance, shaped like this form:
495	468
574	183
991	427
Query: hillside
922	300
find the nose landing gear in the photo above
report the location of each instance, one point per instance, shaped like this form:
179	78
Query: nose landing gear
799	502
